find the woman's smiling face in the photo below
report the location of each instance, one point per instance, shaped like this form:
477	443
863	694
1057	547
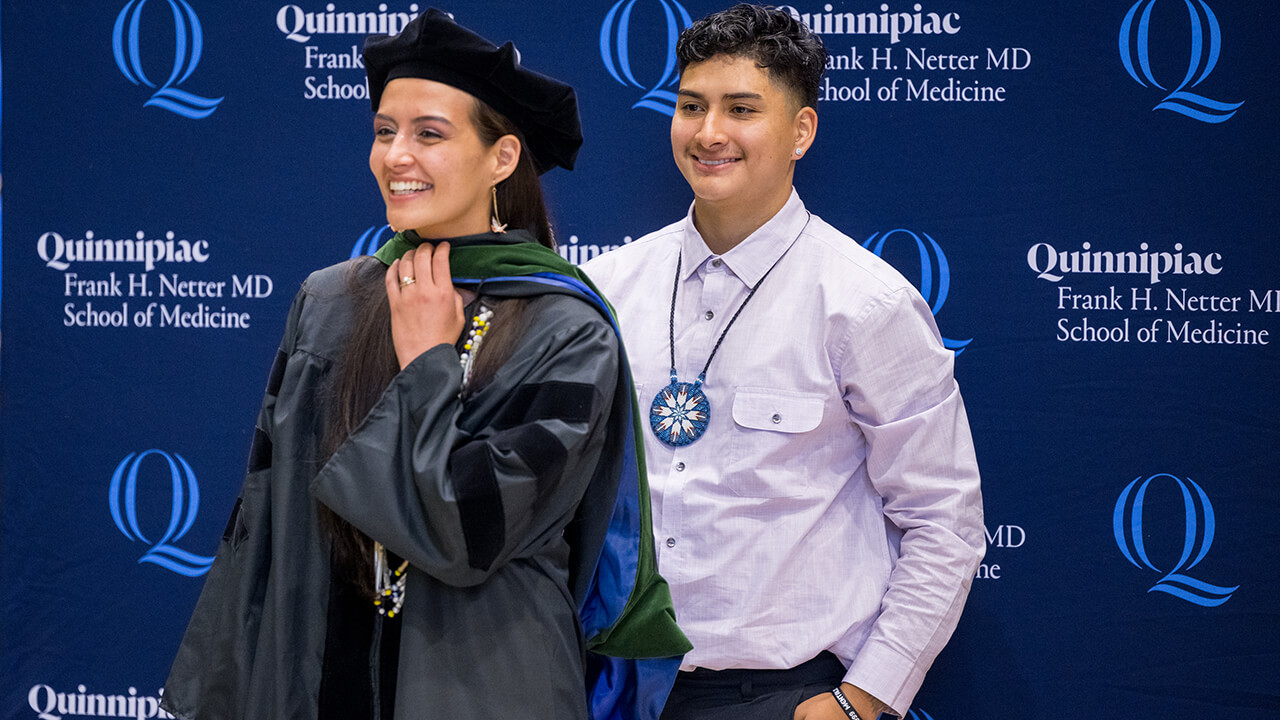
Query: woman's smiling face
433	170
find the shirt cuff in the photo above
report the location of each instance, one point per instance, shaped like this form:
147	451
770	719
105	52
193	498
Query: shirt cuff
886	676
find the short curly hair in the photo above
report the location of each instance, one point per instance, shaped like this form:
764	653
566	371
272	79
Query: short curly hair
773	38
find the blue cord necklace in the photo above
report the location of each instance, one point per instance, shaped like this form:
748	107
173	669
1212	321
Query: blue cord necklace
681	411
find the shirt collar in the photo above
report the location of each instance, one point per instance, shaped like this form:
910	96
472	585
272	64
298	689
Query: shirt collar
751	258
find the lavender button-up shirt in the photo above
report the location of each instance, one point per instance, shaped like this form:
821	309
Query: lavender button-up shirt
833	503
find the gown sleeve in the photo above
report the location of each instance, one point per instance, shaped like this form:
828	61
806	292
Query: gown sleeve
459	498
212	673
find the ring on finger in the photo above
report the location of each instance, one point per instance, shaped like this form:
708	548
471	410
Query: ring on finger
407	280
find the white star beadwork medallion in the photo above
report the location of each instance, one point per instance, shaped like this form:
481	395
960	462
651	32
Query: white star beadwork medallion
680	413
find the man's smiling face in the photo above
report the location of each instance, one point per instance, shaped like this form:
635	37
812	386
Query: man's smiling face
734	134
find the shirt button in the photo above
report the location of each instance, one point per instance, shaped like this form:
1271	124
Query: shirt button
671	542
680	467
777	418
709	315
717	262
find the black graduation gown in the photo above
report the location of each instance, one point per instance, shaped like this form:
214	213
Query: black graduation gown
476	495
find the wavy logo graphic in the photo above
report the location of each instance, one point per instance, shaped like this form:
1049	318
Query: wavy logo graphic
188	41
185	505
1198	528
931	256
371	240
615	51
917	715
1135	43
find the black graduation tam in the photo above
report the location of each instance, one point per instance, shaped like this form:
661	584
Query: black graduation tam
434	47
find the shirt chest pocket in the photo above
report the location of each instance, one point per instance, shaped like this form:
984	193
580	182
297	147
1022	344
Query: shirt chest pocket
777	410
773	430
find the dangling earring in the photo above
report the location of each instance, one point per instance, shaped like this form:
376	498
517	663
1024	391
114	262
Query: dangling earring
494	223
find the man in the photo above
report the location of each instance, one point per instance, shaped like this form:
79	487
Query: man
815	494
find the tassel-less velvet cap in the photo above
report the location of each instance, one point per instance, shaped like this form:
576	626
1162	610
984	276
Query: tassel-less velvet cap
434	47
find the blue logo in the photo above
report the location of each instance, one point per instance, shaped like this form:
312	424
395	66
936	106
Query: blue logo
931	256
185	505
1197	525
615	50
188	41
372	239
1202	61
917	715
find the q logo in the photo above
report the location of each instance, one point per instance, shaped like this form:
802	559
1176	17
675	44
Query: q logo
185	505
1202	61
1198	527
615	50
930	256
371	240
188	44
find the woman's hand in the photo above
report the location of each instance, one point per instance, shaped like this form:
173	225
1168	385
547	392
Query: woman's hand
425	309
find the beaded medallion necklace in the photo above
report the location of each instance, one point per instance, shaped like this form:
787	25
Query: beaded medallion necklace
681	411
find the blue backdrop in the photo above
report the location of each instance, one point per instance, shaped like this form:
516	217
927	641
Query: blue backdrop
1082	191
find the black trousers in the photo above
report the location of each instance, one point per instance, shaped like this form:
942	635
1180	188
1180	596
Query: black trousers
751	694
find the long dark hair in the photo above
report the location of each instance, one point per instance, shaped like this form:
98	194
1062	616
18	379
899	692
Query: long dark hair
520	202
369	360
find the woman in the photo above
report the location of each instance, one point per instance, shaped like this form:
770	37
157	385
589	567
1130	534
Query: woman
443	509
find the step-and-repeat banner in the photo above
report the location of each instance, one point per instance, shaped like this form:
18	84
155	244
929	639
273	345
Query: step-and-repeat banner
1085	193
